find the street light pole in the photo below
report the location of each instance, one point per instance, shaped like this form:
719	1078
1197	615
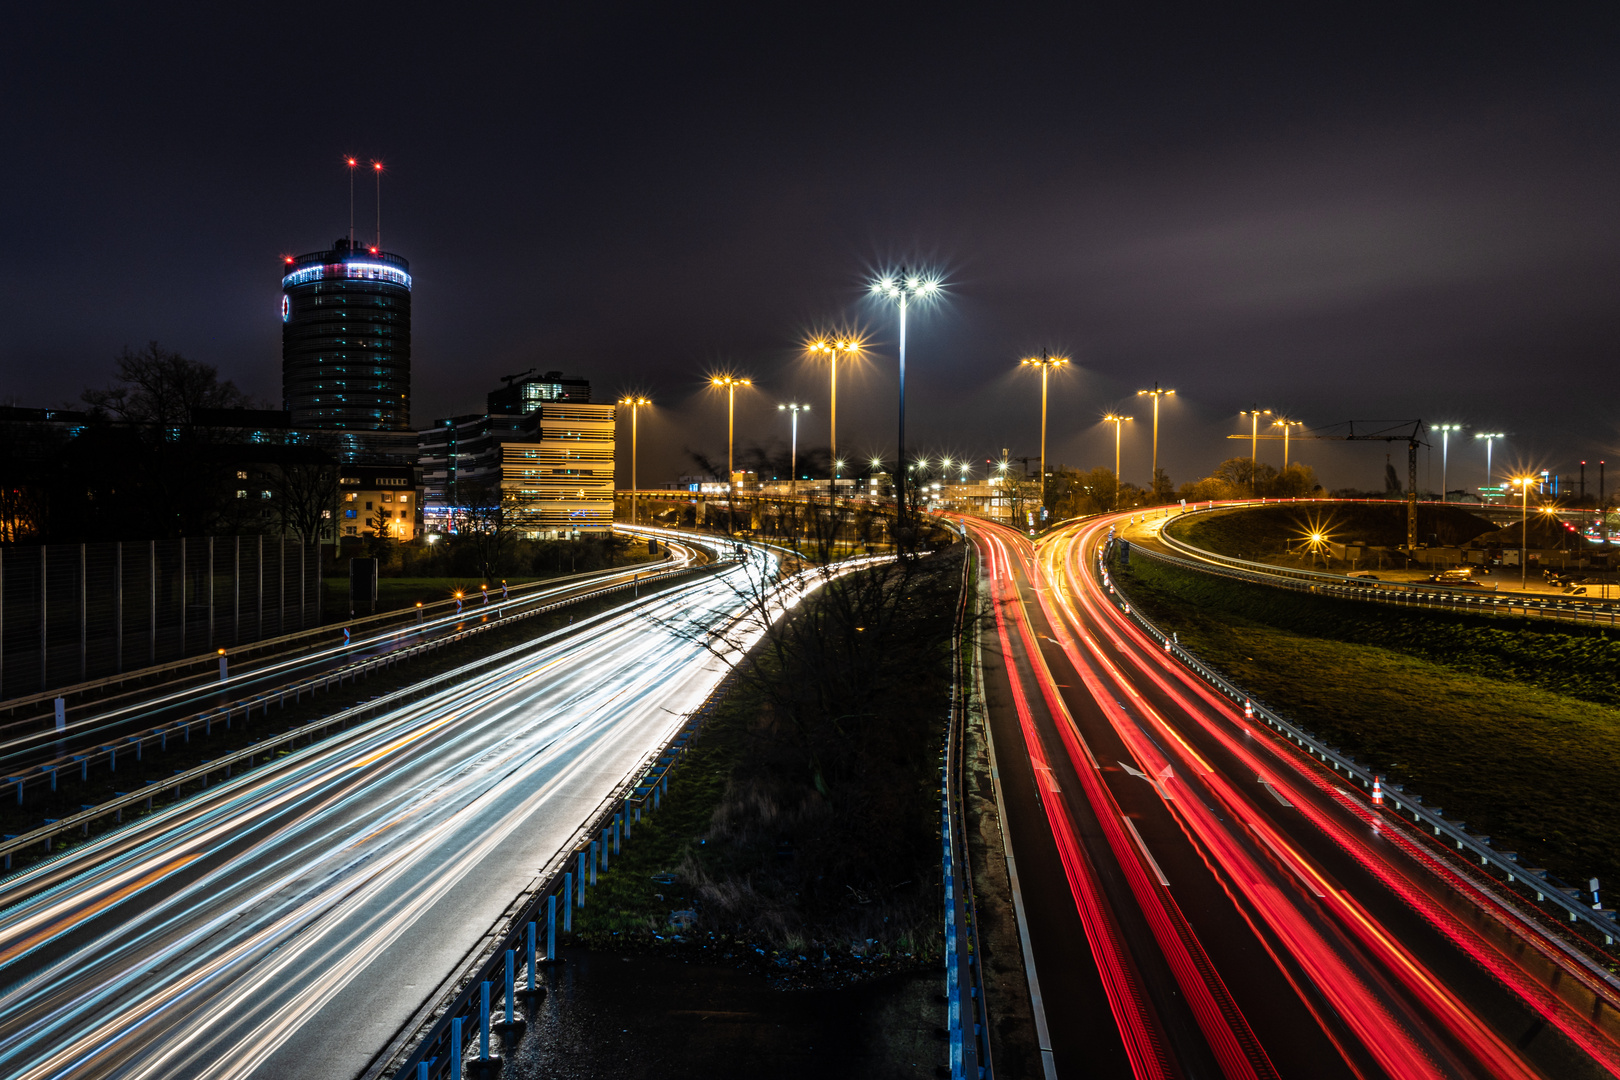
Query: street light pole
1046	362
1118	422
1445	448
832	349
730	382
1156	393
635	404
1254	416
1489	437
1286	425
1523	484
793	481
902	288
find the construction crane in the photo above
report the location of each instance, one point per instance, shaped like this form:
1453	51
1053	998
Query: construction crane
1408	431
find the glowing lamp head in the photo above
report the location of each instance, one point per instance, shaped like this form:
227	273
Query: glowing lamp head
352	163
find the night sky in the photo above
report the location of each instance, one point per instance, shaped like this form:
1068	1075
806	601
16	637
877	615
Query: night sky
1393	212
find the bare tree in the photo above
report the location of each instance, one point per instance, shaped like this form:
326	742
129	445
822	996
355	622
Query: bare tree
304	492
487	524
825	639
162	388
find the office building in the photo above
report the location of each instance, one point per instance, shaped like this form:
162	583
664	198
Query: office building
525	393
346	341
378	501
547	473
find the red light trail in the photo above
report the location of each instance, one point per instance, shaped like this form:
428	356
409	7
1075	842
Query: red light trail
1377	997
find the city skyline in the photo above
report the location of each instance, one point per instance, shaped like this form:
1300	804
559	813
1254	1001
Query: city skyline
1419	228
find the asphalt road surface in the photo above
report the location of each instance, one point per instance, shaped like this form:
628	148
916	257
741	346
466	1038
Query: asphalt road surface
1204	900
286	924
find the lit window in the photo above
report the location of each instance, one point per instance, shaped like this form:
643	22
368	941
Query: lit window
241	474
241	494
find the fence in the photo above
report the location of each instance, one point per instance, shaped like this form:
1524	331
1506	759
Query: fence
74	612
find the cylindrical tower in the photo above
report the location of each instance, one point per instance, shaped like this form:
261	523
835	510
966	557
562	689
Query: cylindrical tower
346	340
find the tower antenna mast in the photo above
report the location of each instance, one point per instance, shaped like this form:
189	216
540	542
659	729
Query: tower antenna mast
376	167
352	164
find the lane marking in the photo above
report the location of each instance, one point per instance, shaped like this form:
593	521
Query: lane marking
1275	794
39	937
1146	854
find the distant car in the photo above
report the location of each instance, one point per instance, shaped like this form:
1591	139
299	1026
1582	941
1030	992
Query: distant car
1454	581
1365	575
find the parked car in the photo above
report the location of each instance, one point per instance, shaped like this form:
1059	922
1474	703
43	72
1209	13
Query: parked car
1453	578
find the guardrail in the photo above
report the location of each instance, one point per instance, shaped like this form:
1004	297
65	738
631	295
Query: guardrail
1405	594
967	1022
1546	886
430	1045
183	729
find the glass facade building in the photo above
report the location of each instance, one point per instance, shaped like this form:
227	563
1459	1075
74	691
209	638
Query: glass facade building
346	340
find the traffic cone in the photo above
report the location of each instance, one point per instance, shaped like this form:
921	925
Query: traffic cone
1166	644
1378	791
1248	709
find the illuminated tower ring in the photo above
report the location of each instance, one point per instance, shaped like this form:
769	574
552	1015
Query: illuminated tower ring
346	339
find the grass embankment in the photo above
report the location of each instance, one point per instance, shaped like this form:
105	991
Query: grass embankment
1264	531
802	827
1513	727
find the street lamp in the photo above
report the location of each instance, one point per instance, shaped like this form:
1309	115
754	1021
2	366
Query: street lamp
730	382
832	349
1286	425
795	410
635	404
1156	393
1046	362
1254	416
904	289
1523	484
1445	431
1489	438
1118	422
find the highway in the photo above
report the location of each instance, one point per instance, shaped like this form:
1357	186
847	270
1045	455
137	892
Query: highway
288	923
28	744
1204	901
